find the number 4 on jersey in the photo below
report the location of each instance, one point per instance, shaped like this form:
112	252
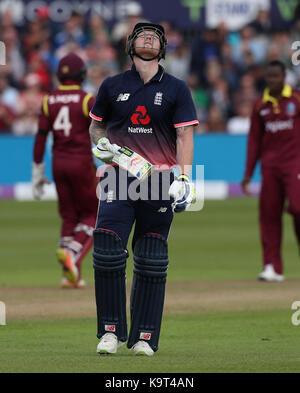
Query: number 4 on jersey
62	121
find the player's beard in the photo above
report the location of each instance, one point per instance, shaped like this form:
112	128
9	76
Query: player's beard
147	51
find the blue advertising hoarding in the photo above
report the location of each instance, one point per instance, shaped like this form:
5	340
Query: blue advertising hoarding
222	155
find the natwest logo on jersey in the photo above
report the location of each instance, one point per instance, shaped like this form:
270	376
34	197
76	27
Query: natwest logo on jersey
140	117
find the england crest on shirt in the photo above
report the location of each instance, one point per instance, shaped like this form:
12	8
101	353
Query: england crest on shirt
158	98
290	109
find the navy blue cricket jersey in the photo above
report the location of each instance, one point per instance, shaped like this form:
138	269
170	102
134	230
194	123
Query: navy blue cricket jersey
144	117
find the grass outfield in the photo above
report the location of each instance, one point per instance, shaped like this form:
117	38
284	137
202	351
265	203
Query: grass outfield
217	318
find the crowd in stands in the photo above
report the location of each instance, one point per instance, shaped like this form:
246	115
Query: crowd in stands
224	69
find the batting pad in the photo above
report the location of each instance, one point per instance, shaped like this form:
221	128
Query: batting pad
148	289
109	262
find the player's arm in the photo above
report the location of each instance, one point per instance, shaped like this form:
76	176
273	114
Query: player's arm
184	120
185	149
100	113
38	166
97	130
253	148
182	190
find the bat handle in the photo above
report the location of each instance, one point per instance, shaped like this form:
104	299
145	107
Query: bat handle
107	145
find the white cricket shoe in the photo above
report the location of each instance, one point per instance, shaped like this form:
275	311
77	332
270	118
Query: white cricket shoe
109	343
142	348
269	274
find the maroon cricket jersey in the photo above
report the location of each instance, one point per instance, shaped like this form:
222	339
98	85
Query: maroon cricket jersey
65	112
274	135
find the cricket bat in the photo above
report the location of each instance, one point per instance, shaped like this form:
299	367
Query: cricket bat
129	160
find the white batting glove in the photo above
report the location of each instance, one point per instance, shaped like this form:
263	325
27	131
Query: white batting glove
102	154
38	180
183	193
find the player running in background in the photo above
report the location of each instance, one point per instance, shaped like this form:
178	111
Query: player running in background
65	112
274	139
153	114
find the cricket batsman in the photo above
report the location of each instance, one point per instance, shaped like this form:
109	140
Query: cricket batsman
151	113
274	139
65	113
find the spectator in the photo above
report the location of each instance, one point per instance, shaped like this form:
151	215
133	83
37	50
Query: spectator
37	66
218	87
178	62
223	68
100	51
280	49
282	40
8	94
15	64
70	46
230	70
251	49
216	121
295	30
200	97
96	23
6	19
28	106
36	34
73	31
240	123
173	36
262	23
121	30
95	76
246	91
133	15
6	118
204	48
219	95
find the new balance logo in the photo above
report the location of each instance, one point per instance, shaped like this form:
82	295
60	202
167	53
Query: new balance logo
145	336
140	116
110	328
123	97
158	98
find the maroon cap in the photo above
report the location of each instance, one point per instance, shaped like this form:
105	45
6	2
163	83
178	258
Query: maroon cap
71	67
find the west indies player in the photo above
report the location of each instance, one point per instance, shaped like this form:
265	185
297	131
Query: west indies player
274	139
65	113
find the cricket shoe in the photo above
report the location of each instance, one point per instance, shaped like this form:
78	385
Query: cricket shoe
269	274
142	348
67	284
109	343
66	259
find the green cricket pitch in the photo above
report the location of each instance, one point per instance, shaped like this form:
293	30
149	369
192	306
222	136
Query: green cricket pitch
217	316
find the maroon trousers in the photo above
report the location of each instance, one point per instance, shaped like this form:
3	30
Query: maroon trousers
279	186
75	181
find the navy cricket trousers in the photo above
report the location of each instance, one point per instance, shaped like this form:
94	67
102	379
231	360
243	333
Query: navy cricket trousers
124	202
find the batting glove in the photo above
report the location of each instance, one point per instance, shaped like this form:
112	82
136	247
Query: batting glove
38	180
183	193
102	154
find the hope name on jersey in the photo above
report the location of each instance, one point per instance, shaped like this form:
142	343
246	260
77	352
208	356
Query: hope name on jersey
65	112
